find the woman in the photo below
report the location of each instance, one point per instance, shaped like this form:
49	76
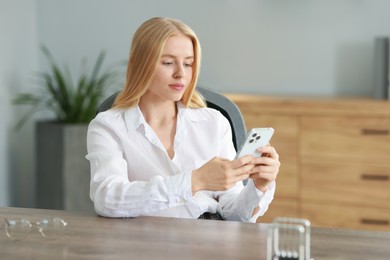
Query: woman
160	151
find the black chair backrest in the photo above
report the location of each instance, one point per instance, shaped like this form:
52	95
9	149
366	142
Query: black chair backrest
230	110
214	100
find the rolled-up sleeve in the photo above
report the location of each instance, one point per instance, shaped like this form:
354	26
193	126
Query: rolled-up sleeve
238	203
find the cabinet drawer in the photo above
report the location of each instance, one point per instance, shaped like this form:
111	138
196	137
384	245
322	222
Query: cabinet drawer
285	141
368	218
287	180
280	208
346	183
346	139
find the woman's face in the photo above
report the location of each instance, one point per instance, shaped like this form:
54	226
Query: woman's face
174	69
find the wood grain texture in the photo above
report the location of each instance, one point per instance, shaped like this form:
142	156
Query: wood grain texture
354	217
93	237
355	184
307	106
286	207
350	139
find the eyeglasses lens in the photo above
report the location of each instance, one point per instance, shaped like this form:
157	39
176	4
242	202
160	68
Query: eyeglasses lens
16	229
51	227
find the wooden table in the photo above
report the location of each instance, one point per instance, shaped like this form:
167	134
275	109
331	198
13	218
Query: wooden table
93	237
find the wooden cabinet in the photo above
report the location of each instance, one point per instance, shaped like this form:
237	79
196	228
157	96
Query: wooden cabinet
335	156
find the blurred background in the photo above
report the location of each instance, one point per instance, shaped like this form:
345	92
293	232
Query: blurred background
267	47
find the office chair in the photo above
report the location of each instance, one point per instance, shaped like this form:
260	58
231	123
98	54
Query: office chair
214	100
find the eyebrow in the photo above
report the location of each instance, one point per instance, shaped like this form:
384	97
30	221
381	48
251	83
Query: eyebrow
173	56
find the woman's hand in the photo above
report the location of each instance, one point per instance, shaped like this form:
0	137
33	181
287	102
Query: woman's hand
266	168
220	174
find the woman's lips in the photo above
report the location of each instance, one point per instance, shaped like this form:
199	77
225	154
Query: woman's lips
177	86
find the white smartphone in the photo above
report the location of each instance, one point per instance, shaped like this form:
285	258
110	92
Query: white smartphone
255	139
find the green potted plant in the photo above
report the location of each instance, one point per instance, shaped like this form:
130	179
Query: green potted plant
70	103
62	172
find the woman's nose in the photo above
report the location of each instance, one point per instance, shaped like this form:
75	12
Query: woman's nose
179	71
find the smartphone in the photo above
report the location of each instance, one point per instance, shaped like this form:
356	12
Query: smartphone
255	139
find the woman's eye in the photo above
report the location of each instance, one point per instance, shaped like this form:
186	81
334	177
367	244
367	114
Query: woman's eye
167	63
188	64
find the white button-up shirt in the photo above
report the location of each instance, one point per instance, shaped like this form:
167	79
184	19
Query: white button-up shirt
132	174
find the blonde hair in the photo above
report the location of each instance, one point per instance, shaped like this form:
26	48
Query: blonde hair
146	49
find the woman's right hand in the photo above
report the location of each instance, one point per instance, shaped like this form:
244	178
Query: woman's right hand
220	174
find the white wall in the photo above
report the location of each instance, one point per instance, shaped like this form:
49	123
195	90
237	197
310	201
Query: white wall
18	58
300	47
275	47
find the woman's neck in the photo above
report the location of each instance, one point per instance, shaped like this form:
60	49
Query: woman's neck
158	114
162	118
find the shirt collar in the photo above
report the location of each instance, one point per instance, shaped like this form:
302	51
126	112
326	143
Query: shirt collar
134	117
188	113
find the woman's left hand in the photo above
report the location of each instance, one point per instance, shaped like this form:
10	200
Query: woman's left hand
266	167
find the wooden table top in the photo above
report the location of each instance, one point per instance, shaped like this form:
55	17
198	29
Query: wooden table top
93	237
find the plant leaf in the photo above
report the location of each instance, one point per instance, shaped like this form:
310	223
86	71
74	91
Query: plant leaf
70	103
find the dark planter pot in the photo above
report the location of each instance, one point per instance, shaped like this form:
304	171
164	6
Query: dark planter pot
63	173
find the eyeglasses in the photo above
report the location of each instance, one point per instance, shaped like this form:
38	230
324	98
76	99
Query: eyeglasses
50	227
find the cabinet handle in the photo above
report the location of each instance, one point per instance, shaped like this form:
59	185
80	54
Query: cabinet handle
367	221
374	177
367	131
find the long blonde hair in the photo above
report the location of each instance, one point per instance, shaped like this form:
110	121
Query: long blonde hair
146	49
